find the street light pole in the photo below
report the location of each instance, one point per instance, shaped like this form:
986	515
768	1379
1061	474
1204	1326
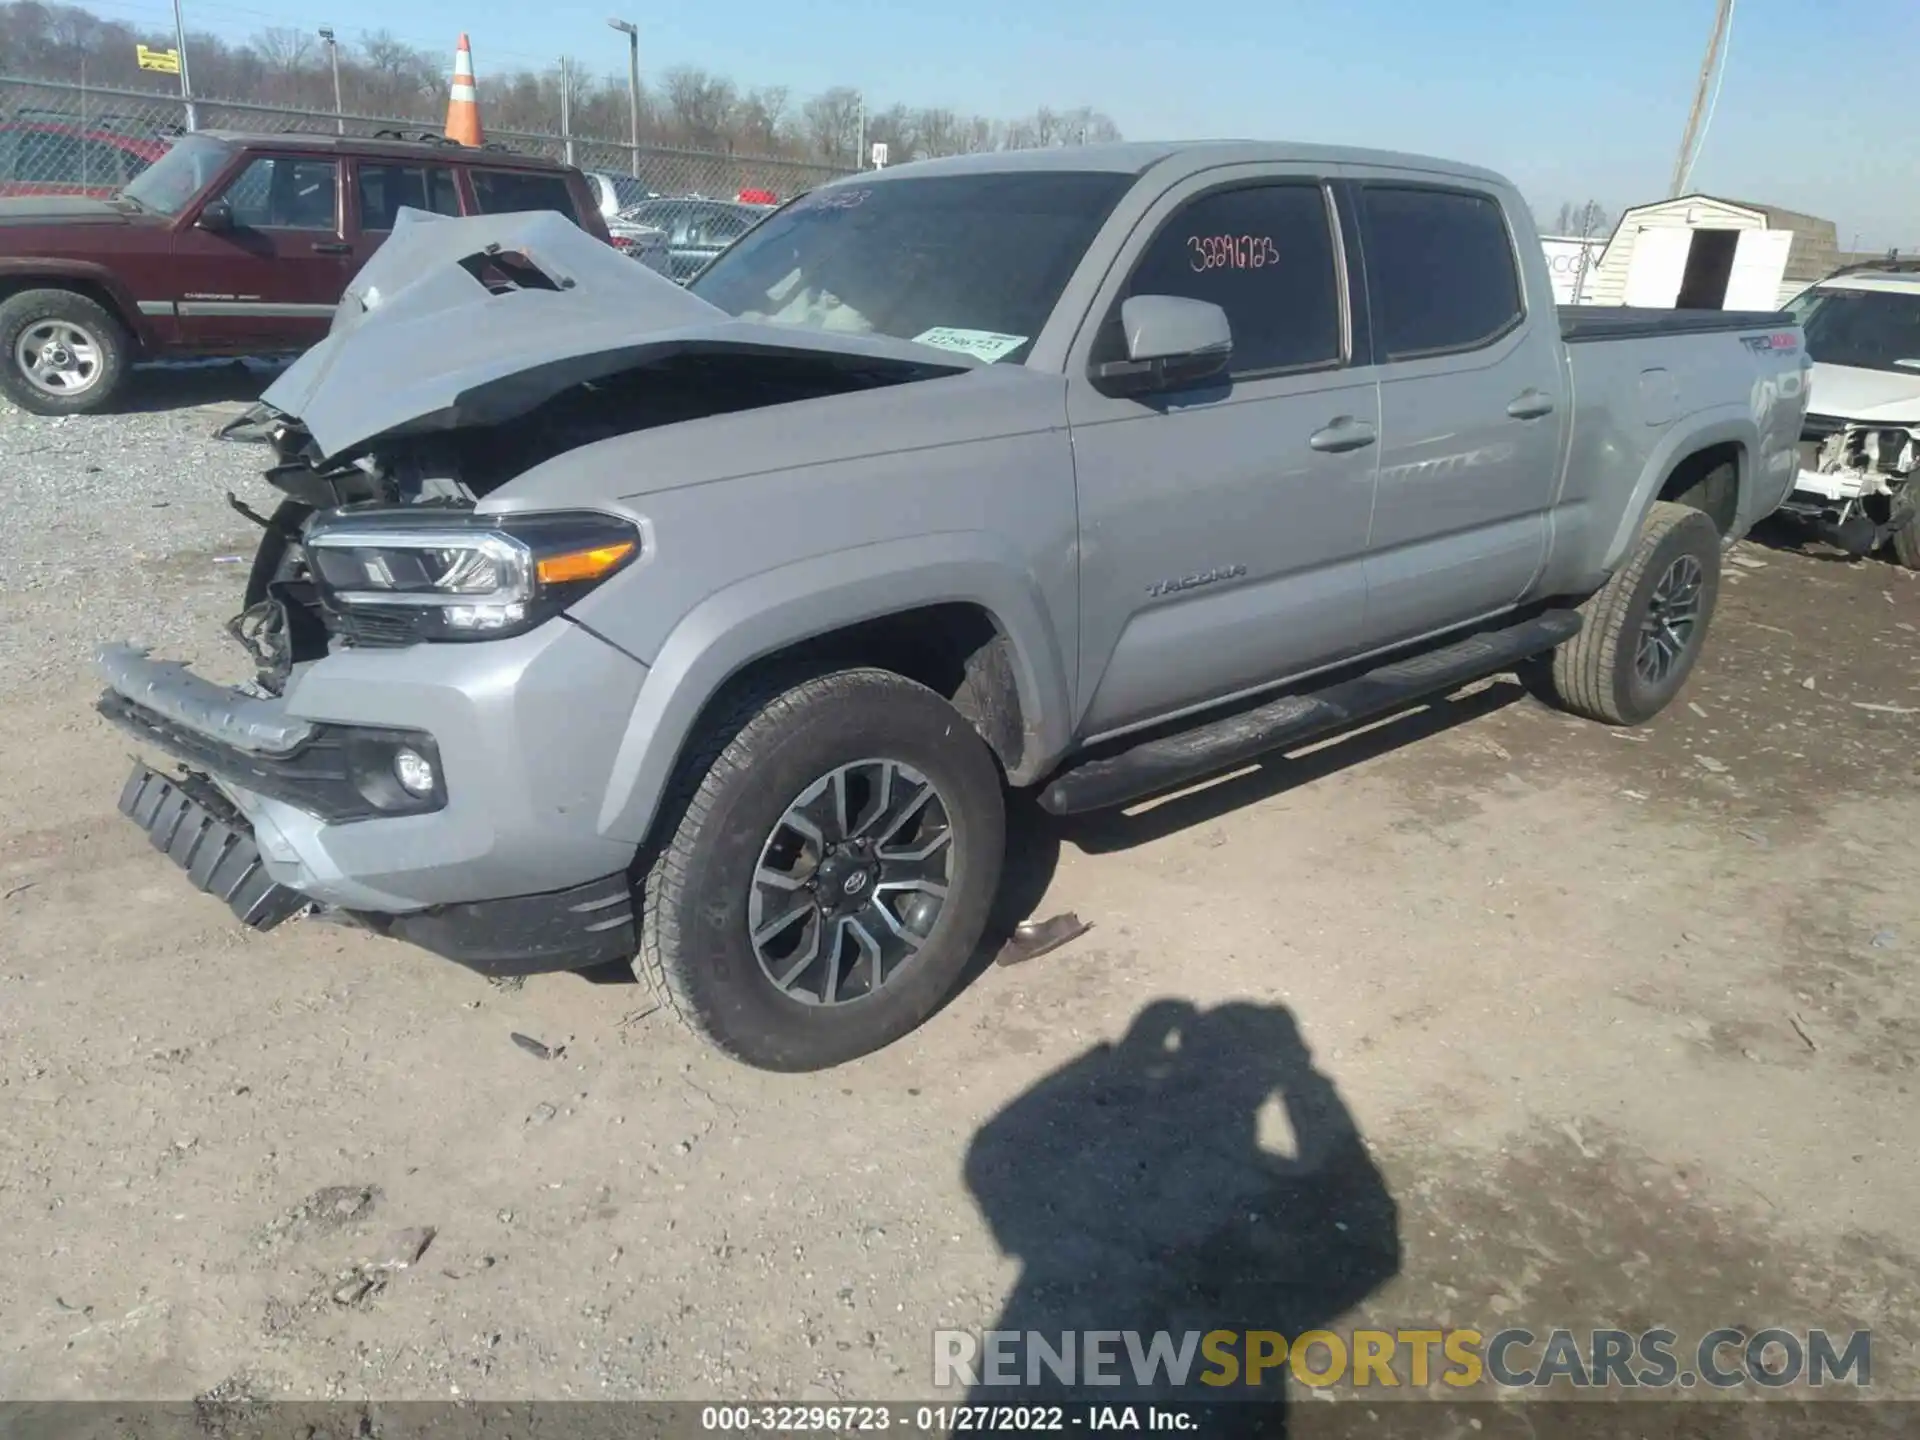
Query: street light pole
333	50
186	84
632	32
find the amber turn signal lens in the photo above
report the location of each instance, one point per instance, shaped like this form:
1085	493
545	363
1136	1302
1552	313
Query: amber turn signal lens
583	564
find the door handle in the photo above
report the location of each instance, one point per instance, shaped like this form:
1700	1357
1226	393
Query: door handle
1530	405
331	247
1341	435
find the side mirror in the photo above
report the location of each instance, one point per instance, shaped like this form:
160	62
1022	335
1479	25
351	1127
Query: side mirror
217	216
1172	343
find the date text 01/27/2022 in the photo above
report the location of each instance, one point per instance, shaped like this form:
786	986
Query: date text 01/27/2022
941	1419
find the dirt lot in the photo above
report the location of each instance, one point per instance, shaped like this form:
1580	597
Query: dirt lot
1626	1026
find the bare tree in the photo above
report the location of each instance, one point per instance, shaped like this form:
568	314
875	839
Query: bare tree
284	49
831	122
700	106
763	116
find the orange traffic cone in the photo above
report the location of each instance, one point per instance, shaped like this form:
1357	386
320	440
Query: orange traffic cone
463	101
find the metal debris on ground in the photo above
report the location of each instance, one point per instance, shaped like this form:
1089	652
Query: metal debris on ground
1034	938
534	1048
405	1247
1800	1029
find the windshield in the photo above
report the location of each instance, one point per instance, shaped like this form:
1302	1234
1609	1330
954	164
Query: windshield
1868	329
166	186
973	263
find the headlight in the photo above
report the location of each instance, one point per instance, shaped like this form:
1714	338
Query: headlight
415	575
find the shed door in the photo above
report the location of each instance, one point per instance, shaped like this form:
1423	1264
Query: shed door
1658	265
1759	264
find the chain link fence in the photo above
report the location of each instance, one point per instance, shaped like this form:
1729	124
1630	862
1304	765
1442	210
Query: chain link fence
58	137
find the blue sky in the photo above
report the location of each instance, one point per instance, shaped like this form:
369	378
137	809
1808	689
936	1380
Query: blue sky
1572	98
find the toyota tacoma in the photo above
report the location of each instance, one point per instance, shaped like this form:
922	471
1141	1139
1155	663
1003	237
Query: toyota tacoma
708	628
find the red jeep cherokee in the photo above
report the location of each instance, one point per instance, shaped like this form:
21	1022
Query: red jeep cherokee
228	244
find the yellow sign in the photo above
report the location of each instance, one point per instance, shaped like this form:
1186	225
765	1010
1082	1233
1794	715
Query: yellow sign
167	62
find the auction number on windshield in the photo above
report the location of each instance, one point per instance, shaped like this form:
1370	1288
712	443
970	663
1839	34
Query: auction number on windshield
1231	252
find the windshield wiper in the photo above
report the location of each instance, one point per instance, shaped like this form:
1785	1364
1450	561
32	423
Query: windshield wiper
123	198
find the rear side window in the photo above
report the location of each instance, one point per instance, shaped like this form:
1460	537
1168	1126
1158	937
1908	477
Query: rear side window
385	188
501	192
1440	269
1264	254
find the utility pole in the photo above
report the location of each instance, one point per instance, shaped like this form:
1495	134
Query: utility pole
860	139
186	85
1723	12
632	32
333	50
566	105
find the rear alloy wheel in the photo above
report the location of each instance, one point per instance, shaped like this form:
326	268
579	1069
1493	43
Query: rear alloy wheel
65	355
827	861
1644	630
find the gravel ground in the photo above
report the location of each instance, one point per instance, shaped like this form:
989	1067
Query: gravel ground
1626	1026
118	525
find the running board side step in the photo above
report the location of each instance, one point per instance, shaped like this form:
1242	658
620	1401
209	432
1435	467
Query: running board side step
1292	720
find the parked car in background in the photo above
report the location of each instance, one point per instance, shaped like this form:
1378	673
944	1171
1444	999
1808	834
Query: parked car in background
1860	450
613	193
53	157
694	229
229	244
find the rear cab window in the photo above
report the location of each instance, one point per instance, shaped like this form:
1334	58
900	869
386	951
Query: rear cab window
1441	272
504	192
384	187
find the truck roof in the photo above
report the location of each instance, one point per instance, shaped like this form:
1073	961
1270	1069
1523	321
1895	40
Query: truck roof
386	145
1136	157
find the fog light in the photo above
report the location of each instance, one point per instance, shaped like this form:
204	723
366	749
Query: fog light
414	771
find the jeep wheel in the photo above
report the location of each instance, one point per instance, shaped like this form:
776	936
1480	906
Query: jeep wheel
834	849
64	354
1645	627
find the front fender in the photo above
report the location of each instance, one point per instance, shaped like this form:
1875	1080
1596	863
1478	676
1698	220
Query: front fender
33	269
783	607
1721	425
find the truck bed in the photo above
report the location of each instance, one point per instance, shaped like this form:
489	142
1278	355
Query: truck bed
1580	323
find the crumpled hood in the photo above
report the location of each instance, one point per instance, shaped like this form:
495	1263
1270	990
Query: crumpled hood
447	326
1845	392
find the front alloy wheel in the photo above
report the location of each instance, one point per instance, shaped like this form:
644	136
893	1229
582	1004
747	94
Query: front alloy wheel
851	882
833	849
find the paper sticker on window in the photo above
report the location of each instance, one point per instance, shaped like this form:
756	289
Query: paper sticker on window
981	344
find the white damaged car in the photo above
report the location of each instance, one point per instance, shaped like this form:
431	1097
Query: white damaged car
1860	449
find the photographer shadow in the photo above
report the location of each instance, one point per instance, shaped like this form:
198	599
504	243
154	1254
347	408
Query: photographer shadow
1135	1189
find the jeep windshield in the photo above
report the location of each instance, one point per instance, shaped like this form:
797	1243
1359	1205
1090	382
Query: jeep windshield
170	183
1866	329
971	263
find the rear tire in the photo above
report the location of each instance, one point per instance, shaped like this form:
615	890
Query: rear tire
1644	629
1906	540
61	353
759	927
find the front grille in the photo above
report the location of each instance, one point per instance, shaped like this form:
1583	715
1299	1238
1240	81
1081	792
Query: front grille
371	629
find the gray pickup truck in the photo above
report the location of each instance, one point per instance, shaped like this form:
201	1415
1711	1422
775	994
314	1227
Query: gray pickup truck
708	628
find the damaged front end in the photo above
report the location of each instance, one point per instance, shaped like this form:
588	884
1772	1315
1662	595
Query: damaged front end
1855	488
392	758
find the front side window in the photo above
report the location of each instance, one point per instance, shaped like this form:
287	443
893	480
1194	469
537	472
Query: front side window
503	192
1264	254
385	188
968	263
1865	329
1440	269
282	192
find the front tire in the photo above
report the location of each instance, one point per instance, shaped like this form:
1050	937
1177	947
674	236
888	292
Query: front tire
61	353
835	846
1644	629
1906	540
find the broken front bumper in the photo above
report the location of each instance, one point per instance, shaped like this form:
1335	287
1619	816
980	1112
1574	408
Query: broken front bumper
276	808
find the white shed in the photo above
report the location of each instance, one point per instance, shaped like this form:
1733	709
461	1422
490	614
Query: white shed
1699	251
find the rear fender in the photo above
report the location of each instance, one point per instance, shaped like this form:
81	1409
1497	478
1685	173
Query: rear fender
782	608
1724	424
